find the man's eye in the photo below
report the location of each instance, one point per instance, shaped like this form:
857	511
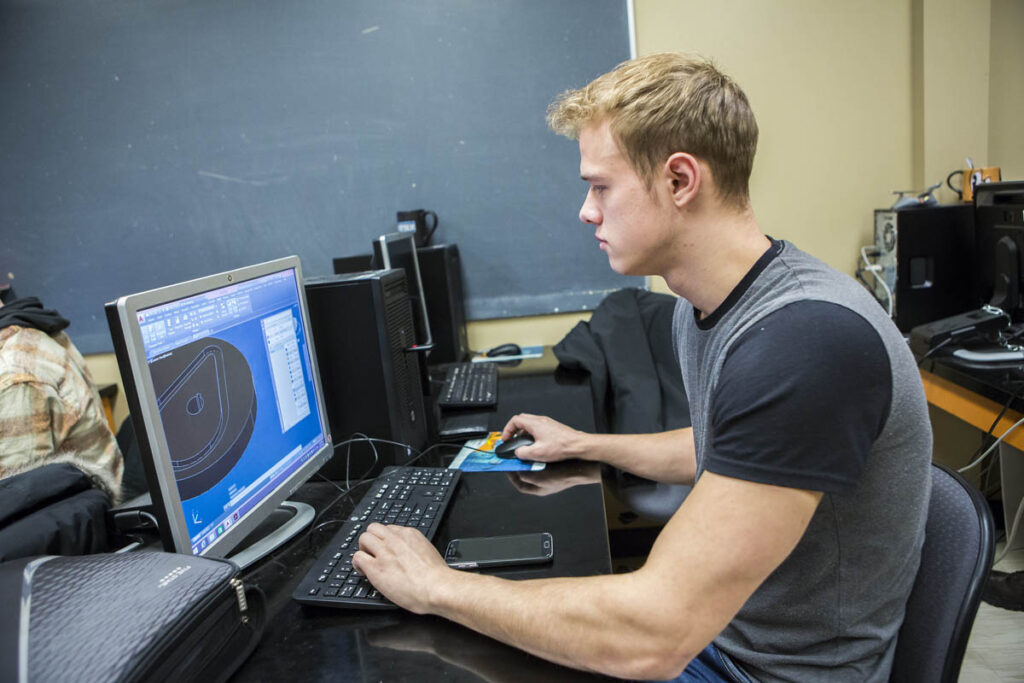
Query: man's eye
598	188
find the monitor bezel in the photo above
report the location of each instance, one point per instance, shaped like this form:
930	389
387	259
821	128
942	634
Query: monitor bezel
163	487
386	241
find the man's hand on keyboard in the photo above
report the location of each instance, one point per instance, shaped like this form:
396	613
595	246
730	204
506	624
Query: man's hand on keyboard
552	441
402	564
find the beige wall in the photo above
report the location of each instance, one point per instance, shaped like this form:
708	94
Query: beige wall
1006	89
829	83
854	99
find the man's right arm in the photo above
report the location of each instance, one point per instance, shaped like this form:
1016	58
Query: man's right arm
667	457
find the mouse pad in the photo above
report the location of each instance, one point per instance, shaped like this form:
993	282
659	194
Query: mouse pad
471	459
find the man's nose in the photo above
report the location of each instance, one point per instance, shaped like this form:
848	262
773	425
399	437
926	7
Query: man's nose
589	213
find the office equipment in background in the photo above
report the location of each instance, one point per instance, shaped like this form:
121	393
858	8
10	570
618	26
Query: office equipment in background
417	222
222	384
508	352
441	271
957	329
469	385
363	327
359	263
924	264
407	496
398	250
441	277
971	177
999	217
919	199
460	426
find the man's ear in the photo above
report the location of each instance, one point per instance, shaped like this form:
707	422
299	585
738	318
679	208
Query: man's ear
684	174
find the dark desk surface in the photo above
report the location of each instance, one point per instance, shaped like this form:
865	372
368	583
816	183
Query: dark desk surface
996	381
977	393
349	645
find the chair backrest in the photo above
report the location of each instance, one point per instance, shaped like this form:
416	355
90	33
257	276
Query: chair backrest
955	561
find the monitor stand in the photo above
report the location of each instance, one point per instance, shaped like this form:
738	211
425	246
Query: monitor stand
283	523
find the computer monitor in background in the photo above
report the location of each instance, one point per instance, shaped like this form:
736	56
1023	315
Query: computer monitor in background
441	277
221	379
999	224
359	263
398	250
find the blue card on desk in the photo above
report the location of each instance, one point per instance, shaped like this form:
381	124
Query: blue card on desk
471	459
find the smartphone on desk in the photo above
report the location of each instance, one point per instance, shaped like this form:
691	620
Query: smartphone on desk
500	551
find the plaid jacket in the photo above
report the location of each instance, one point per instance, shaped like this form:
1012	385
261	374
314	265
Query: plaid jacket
49	407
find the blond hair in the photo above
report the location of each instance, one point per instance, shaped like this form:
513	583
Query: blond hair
666	103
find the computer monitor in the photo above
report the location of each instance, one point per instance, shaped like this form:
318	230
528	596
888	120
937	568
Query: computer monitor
224	392
398	250
999	225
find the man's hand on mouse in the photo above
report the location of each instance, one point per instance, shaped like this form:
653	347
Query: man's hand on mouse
552	441
402	564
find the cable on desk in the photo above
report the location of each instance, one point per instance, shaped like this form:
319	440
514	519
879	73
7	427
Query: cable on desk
343	492
350	487
991	448
933	350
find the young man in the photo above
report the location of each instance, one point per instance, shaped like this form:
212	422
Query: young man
793	556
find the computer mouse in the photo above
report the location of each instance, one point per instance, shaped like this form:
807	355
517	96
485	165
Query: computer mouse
507	449
504	350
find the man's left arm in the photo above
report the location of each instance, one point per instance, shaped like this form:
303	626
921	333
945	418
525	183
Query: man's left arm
725	539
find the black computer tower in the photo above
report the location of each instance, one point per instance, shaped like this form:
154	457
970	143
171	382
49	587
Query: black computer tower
441	272
362	327
927	260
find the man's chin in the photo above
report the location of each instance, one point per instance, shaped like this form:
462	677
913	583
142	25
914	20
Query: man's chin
626	268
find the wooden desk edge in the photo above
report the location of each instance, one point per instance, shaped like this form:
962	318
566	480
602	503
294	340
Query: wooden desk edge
970	407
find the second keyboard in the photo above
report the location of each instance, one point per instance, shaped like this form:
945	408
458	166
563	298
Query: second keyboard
469	385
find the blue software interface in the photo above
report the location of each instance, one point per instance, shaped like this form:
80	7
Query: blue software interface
234	384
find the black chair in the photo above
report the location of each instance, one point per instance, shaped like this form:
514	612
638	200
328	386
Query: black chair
955	560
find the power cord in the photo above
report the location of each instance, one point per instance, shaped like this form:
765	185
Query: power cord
875	269
991	448
932	350
350	486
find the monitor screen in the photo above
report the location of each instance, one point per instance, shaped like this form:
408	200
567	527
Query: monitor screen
224	380
398	250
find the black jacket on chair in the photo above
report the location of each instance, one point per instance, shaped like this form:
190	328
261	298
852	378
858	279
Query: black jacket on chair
634	371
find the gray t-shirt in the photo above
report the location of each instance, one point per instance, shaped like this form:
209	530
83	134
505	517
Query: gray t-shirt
799	379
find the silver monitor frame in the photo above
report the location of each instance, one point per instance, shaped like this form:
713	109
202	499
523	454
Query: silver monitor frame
385	241
166	498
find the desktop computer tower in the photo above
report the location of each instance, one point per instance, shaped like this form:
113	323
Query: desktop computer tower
362	327
441	272
441	275
928	262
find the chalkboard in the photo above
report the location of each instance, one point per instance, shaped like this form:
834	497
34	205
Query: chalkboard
147	142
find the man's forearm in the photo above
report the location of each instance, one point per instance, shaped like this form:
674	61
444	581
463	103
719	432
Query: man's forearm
588	623
666	457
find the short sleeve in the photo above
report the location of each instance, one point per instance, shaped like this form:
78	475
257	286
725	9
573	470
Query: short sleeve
800	399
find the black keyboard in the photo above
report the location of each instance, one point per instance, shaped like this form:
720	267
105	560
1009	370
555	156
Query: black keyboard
405	495
469	385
